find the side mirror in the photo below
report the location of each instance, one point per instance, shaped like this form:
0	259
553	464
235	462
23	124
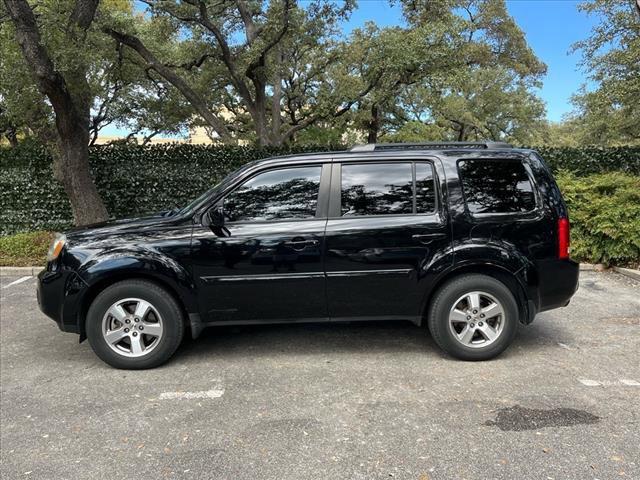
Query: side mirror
214	217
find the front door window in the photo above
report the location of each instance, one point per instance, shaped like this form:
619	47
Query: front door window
283	194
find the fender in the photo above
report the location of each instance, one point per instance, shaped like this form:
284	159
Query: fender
120	264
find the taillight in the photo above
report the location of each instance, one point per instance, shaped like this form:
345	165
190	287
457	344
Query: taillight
564	237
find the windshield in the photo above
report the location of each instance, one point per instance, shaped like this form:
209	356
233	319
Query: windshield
220	186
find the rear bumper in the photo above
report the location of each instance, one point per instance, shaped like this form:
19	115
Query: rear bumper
59	293
558	282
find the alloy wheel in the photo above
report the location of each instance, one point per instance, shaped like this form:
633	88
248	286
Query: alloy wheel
132	327
476	319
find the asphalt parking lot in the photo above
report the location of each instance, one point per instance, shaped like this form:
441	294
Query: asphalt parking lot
352	401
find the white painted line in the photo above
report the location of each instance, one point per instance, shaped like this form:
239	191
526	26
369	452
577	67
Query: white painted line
608	383
589	383
20	280
631	383
214	393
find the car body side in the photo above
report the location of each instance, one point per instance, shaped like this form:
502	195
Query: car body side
518	249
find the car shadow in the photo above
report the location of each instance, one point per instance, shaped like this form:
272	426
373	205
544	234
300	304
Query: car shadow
363	337
310	338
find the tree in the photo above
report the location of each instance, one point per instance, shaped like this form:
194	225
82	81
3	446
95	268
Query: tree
251	62
488	92
383	62
610	113
68	94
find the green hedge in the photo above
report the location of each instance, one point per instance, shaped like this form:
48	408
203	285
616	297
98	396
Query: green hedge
604	210
135	180
589	160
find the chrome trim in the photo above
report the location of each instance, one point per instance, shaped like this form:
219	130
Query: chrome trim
363	273
261	277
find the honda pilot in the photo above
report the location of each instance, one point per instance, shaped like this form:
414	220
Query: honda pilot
469	239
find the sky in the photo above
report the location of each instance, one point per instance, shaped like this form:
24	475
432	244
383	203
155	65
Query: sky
550	26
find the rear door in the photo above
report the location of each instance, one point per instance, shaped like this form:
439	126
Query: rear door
386	239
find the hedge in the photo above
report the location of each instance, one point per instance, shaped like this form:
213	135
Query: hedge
132	180
604	209
135	180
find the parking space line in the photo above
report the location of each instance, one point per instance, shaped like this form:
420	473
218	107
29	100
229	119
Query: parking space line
631	383
589	383
214	393
606	383
20	280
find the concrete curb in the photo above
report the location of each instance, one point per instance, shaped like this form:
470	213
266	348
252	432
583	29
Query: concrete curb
19	271
628	272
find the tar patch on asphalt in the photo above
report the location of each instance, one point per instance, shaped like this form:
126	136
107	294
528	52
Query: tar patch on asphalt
518	418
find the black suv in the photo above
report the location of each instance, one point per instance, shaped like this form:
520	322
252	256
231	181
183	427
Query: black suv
470	238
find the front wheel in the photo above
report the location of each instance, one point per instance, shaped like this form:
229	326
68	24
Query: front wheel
134	324
473	317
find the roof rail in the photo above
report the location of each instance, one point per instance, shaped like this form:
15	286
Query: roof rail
370	147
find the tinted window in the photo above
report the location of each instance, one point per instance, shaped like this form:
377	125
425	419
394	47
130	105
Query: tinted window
377	189
277	194
496	186
425	189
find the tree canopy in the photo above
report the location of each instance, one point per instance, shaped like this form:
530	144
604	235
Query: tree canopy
609	114
282	71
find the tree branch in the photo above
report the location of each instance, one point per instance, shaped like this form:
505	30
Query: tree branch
249	24
227	56
169	75
83	13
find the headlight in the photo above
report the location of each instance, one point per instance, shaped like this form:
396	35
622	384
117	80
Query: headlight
56	247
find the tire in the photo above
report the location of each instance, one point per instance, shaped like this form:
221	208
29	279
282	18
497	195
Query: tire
466	335
134	308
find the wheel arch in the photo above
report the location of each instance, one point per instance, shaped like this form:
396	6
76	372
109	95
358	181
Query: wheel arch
526	306
114	277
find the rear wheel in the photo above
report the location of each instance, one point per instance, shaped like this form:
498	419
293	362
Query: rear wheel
134	324
473	317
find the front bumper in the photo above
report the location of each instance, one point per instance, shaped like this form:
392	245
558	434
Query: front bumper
59	297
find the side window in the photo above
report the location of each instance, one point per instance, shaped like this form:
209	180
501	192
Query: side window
496	186
289	193
377	189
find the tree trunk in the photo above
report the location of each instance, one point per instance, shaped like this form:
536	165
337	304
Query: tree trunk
71	168
276	108
260	116
71	163
12	136
462	133
374	124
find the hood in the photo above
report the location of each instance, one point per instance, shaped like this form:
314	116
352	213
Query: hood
115	227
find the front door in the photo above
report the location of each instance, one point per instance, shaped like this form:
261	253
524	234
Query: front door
385	238
265	264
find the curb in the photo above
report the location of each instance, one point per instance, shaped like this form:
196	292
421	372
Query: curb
19	271
628	272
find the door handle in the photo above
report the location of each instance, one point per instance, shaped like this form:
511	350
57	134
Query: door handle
428	237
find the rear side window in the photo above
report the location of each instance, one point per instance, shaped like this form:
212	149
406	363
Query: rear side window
496	186
387	189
